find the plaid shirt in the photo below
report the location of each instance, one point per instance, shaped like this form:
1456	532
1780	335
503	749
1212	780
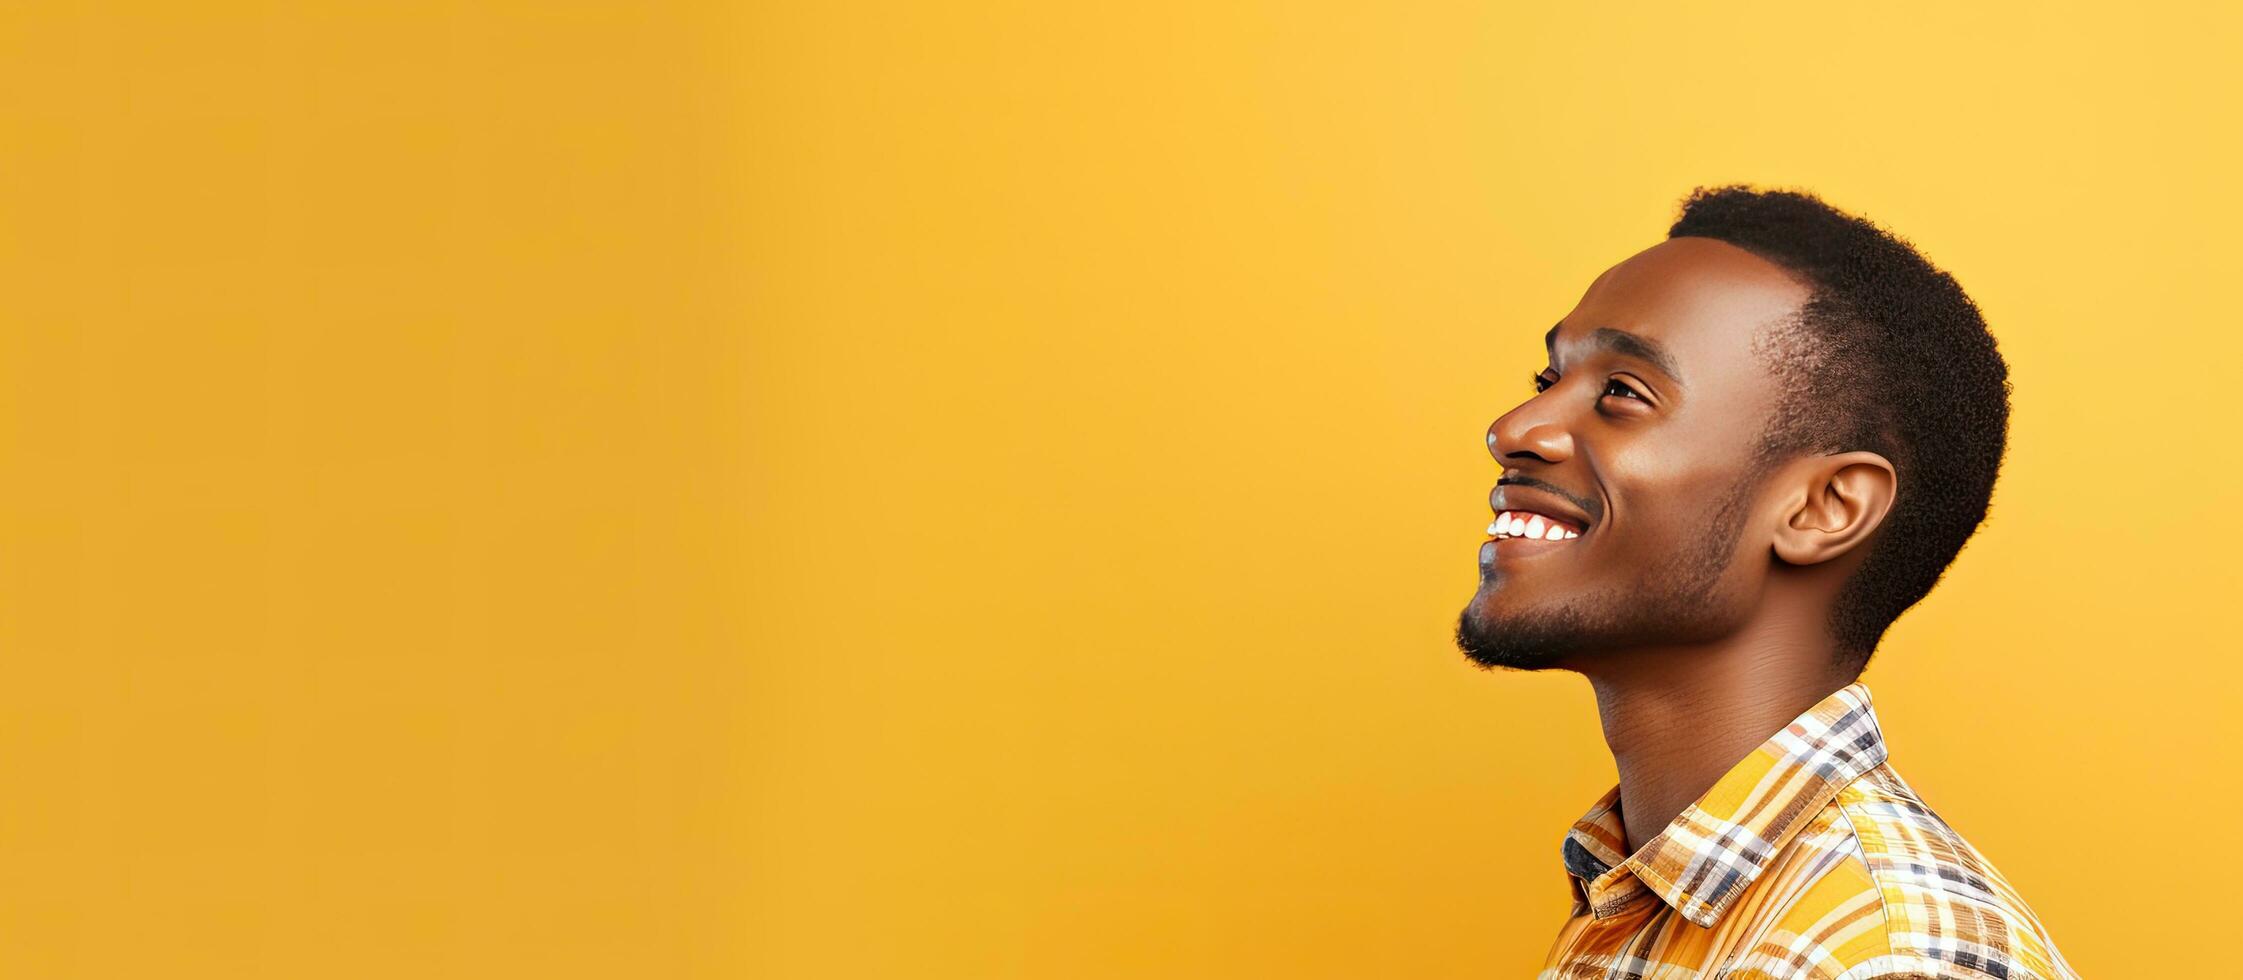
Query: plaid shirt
1809	859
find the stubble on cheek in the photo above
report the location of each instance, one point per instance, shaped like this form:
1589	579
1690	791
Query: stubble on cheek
1683	591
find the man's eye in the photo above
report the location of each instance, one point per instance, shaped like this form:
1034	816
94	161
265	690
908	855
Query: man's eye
1615	387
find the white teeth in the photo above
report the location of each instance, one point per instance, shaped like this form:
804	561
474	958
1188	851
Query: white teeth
1523	524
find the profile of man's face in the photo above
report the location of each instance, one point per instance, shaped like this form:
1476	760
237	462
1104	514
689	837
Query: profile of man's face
1656	457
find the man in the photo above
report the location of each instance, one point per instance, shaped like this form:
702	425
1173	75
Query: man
1754	445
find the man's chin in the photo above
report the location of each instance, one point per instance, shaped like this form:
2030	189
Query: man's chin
1515	642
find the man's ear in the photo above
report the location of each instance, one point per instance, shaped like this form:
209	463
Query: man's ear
1836	502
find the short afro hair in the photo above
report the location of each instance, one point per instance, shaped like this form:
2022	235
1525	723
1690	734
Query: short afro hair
1889	355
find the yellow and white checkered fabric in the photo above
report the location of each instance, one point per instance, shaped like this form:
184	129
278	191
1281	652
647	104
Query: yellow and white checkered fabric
1809	859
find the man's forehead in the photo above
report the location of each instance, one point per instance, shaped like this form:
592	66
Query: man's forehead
1698	299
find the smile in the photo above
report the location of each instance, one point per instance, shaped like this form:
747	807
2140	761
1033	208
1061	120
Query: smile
1530	525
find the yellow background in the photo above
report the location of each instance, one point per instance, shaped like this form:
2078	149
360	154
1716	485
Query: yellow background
982	490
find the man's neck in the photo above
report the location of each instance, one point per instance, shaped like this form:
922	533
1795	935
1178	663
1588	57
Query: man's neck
1677	720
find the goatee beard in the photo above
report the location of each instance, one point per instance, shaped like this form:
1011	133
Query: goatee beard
1538	640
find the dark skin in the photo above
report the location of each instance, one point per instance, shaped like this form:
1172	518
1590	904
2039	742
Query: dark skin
1696	601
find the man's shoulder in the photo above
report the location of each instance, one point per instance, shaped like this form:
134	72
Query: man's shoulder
1944	910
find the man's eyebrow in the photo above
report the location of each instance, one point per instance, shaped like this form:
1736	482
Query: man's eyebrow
1622	342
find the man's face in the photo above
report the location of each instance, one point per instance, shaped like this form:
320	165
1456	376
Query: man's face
1651	463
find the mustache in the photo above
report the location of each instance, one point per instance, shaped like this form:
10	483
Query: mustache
1587	505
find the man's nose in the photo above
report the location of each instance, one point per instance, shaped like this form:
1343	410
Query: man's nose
1530	431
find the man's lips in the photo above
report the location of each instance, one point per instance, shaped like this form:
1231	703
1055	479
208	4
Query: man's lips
1519	533
1530	520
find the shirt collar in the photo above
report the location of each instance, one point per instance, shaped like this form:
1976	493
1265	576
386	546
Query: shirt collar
1703	860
